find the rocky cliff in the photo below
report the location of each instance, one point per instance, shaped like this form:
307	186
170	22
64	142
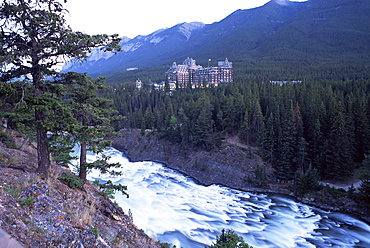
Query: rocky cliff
48	213
229	164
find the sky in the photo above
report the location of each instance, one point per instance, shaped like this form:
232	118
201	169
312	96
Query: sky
142	17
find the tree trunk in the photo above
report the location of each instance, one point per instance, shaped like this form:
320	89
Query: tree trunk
43	155
83	169
42	147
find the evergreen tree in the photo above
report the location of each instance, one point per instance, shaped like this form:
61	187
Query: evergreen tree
306	181
233	112
269	139
285	167
361	124
252	122
364	190
174	133
94	119
229	239
301	144
202	128
34	36
295	124
338	150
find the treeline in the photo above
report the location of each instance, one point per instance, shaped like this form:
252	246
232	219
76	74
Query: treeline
323	125
248	70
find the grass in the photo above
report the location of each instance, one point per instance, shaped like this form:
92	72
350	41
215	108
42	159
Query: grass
87	215
13	191
95	231
28	202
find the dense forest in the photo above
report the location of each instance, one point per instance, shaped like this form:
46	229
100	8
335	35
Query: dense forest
320	124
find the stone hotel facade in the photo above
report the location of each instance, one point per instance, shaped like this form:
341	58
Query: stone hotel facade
190	73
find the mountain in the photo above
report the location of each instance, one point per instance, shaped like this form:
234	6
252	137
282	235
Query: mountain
279	32
325	30
142	51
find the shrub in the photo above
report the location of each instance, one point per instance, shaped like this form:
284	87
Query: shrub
7	140
167	245
229	239
72	181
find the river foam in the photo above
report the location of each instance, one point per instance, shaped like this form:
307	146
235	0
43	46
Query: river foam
174	209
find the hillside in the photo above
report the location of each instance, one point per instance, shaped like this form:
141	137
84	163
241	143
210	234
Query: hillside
293	37
323	31
39	213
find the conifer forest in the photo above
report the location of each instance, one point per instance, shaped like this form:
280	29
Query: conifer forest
298	125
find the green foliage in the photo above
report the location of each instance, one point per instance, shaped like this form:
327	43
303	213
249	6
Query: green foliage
95	231
102	164
307	181
10	144
28	202
61	148
366	168
335	192
108	188
323	123
364	195
72	181
7	140
93	118
260	176
31	51
13	192
4	136
364	190
338	156
229	239
167	245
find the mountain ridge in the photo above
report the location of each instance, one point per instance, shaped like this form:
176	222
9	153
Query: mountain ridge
162	37
281	31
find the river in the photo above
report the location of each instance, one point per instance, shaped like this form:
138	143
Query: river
175	209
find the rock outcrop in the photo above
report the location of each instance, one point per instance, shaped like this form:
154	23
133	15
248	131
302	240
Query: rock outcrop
227	165
48	213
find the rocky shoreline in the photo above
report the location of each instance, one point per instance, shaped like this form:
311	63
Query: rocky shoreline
229	165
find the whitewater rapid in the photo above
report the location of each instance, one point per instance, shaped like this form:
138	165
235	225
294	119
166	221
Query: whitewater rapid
174	209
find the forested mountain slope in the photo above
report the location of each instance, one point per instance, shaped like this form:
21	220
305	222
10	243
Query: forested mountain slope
282	36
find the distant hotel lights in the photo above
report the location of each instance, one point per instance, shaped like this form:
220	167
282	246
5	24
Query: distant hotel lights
197	76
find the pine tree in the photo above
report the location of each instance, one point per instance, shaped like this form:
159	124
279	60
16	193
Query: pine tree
268	137
31	51
361	124
338	149
204	124
286	149
94	117
229	239
364	190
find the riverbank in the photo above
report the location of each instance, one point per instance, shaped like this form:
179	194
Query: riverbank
229	165
48	213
